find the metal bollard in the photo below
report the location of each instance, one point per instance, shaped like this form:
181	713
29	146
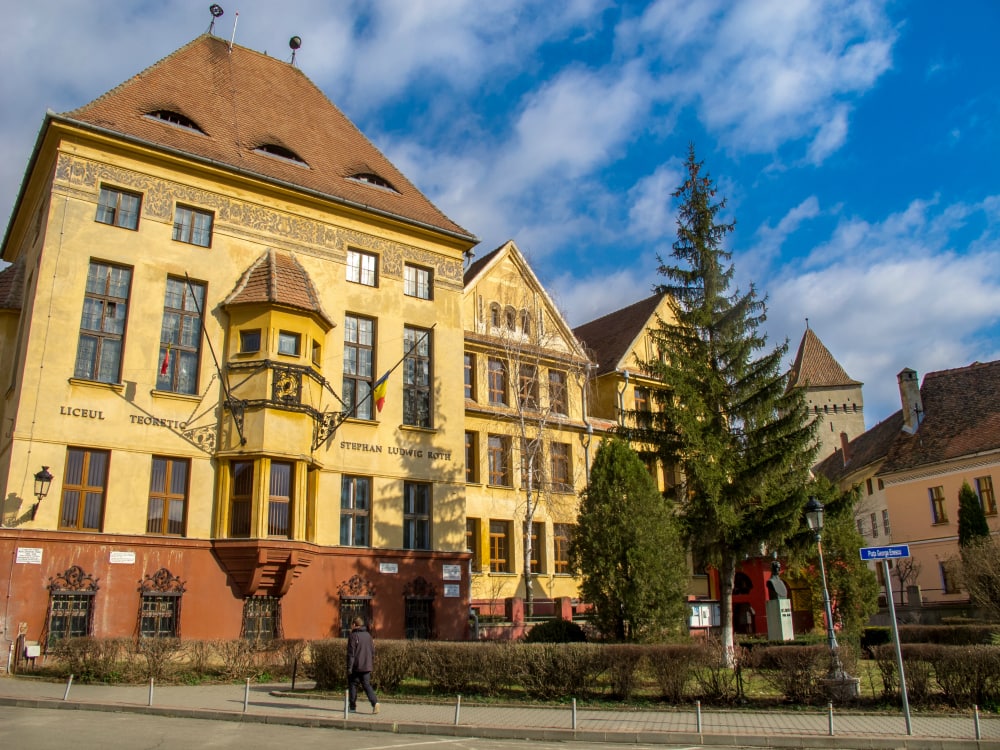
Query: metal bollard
975	718
574	714
69	683
697	708
458	709
295	668
246	696
829	713
347	698
150	702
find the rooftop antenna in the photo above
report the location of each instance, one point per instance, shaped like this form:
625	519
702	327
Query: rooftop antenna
231	41
295	42
216	10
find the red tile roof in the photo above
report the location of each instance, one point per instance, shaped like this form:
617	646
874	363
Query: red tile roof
865	450
278	279
12	285
243	100
961	417
815	367
608	339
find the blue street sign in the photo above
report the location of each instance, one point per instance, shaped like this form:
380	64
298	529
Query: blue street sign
889	552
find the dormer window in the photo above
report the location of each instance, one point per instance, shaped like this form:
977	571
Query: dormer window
175	118
370	178
280	152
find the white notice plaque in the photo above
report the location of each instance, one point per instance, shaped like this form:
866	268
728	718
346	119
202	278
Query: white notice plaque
451	591
451	572
390	568
121	557
29	555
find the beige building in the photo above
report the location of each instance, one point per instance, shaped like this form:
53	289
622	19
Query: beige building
527	435
910	468
211	269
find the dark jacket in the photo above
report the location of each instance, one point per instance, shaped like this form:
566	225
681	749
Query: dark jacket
360	651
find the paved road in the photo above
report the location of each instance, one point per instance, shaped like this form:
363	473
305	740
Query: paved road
47	730
258	709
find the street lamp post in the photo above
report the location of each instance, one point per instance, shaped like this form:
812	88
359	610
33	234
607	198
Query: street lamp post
839	684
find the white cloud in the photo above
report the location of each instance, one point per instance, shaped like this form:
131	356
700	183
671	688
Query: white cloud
651	212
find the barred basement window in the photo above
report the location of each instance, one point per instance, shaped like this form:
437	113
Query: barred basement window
261	618
419	618
71	605
351	607
160	605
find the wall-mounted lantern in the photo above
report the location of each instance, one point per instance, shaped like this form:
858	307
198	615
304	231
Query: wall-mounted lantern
43	479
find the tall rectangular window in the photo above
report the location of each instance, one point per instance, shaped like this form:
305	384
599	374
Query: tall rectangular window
885	522
939	513
279	503
470	376
359	365
498	455
168	491
102	326
362	268
562	477
85	485
472	541
241	498
193	226
537	547
561	533
641	399
531	463
417	282
355	510
417	369
861	526
949	577
527	386
874	521
118	208
984	488
471	456
558	401
497	381
180	336
416	515
499	546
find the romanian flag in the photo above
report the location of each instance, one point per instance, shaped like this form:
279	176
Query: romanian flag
166	361
378	392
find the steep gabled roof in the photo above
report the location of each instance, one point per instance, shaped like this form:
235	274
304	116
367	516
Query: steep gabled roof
609	338
815	367
253	112
961	410
278	279
866	449
12	285
476	268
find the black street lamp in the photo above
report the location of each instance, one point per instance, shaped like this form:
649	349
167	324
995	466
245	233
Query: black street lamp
838	682
43	479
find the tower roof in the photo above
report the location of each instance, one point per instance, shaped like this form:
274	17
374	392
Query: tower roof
231	106
815	367
277	278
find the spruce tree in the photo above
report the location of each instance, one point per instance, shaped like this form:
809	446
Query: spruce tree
739	435
972	525
628	550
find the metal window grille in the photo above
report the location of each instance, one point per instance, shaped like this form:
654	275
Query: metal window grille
261	618
419	618
351	607
159	615
70	615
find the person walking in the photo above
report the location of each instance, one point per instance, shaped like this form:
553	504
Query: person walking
360	660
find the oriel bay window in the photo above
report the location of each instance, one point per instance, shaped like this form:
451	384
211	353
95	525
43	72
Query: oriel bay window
180	336
102	325
266	498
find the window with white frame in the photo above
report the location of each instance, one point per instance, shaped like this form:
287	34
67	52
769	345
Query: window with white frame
417	281
355	511
362	267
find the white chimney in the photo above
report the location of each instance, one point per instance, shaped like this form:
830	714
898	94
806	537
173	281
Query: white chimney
909	395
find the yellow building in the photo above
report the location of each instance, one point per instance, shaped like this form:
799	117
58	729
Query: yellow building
527	435
211	269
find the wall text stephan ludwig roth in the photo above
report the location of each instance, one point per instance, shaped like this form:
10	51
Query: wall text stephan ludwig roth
395	450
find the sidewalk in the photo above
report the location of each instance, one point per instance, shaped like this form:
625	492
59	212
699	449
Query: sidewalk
275	704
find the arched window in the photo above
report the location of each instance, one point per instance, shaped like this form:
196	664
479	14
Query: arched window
495	314
525	322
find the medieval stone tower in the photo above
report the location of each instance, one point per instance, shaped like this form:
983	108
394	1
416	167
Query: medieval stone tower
833	397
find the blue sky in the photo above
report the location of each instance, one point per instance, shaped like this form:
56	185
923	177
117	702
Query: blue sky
856	142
